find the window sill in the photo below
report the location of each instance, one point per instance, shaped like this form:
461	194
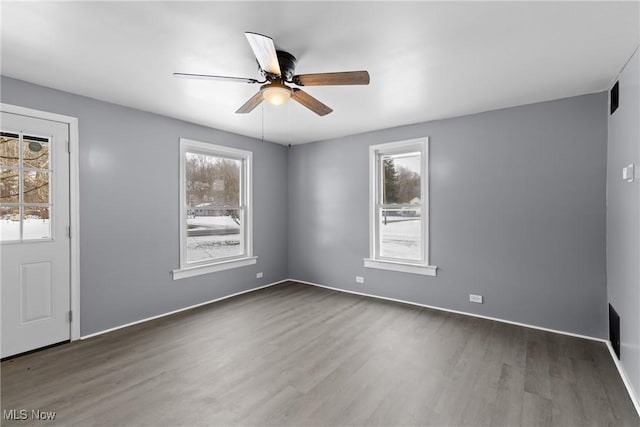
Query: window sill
212	268
426	270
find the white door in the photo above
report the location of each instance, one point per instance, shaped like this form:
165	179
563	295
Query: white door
34	236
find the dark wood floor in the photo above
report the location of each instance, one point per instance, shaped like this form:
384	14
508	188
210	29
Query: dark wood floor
298	355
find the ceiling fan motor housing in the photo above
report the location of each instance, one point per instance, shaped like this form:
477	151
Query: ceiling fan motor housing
287	67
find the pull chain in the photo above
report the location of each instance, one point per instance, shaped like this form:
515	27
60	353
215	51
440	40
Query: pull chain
289	121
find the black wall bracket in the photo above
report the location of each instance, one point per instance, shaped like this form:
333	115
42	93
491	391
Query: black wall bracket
614	330
615	97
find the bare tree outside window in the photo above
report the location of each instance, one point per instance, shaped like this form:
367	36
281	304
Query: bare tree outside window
214	211
25	182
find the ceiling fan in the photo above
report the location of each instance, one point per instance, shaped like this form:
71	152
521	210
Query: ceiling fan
277	68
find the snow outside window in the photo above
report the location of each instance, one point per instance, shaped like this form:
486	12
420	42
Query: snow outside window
399	207
215	217
26	176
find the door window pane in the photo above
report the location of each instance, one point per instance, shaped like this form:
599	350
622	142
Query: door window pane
25	180
35	152
36	223
36	187
9	223
9	149
9	186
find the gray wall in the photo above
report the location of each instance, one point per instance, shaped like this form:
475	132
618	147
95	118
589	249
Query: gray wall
623	220
517	199
517	212
129	229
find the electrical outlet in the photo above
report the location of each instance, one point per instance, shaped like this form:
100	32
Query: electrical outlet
259	275
359	279
627	173
475	298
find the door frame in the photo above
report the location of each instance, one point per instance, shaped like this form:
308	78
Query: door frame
74	203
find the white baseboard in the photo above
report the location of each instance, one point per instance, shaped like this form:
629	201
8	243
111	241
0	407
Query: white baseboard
625	379
453	311
623	375
84	337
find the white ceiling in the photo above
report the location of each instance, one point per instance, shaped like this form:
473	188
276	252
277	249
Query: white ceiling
427	60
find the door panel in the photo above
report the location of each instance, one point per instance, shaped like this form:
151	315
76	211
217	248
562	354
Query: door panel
34	240
36	292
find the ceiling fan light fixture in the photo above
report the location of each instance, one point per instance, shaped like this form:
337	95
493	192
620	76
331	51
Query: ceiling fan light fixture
277	68
276	94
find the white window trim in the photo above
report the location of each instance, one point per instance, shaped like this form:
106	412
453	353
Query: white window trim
185	270
423	267
213	267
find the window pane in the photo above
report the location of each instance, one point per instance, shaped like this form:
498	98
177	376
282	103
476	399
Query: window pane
35	152
212	181
36	223
9	185
36	187
401	178
9	223
213	234
9	150
400	234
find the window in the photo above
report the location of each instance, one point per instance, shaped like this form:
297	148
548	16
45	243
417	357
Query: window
25	188
215	208
399	208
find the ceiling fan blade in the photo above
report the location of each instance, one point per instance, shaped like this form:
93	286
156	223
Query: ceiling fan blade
265	52
310	102
252	103
332	79
211	77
